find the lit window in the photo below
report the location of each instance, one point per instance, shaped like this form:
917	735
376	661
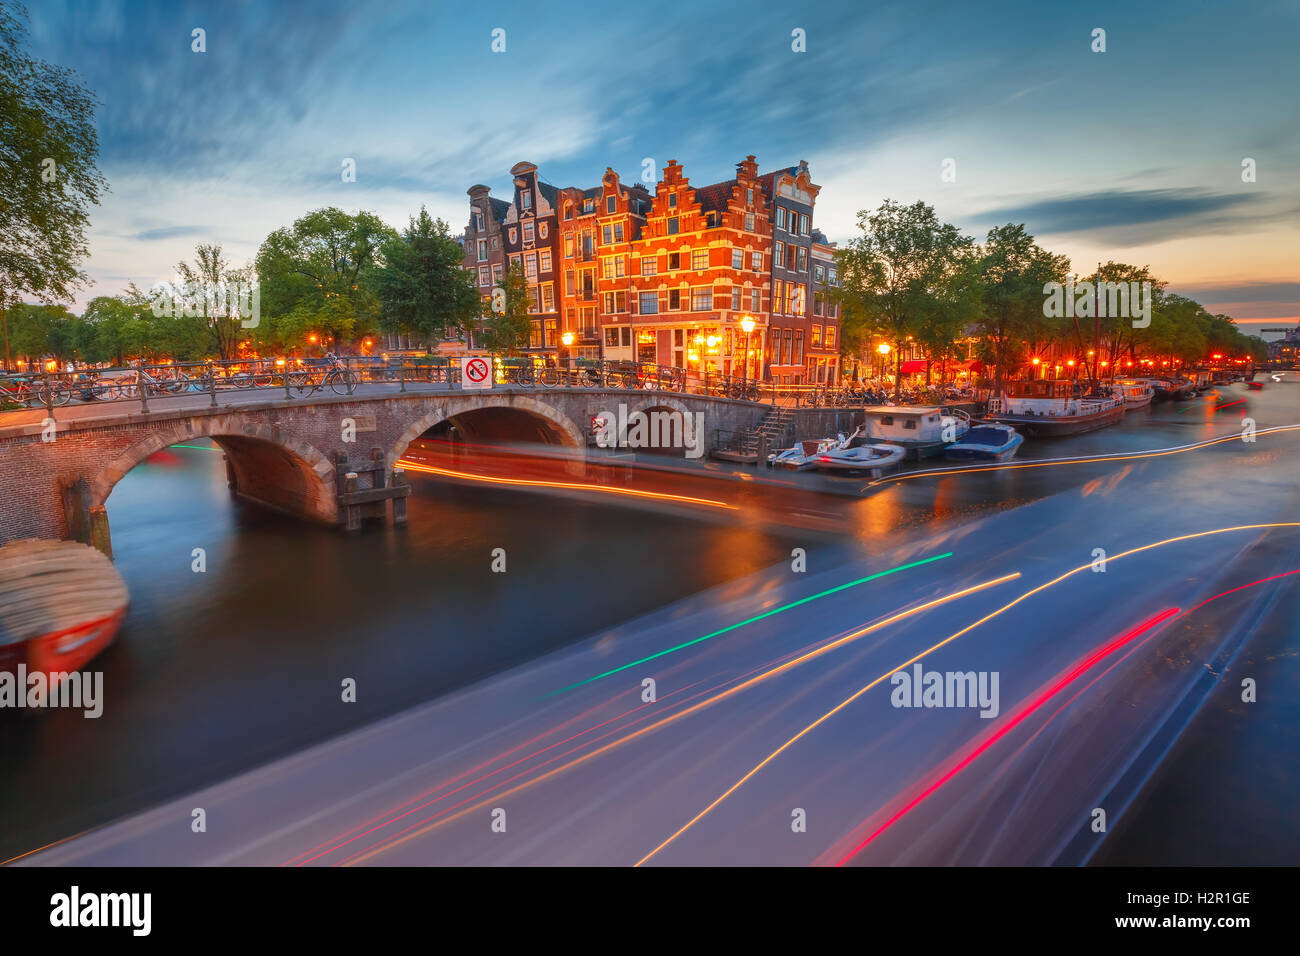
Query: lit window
700	259
650	266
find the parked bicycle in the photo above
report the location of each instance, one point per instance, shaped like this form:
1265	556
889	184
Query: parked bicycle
335	376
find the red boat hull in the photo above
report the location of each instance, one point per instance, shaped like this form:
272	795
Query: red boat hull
73	648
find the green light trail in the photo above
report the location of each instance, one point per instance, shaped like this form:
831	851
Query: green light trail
757	617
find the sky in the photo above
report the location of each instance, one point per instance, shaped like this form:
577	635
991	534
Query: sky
1133	154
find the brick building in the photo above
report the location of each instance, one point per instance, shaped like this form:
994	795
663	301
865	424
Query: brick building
532	241
823	343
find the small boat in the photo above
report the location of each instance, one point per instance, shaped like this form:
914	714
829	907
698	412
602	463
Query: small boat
61	603
857	454
1049	408
803	455
1163	389
1136	392
923	431
987	442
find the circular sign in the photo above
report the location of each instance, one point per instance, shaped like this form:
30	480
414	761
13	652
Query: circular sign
476	370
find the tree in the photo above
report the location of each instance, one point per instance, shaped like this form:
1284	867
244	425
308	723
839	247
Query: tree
507	325
897	272
1014	269
48	178
422	286
212	280
317	276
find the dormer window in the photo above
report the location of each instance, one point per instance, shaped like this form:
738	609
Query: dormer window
672	200
526	199
611	203
588	205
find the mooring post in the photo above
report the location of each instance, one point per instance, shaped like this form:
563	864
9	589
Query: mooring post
399	502
100	539
352	512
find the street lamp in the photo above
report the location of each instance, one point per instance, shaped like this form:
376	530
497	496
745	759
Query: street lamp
566	339
746	323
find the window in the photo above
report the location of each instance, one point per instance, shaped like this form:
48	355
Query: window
615	302
816	336
608	233
618	232
803	259
478	220
527	199
749	222
803	224
780	217
546	260
756	261
788	346
548	297
568	210
528	233
817	304
611	203
648	303
541	230
611	338
674	261
483	277
830	336
737	259
735	299
835	279
650	266
798	348
749	195
482	250
534	299
497	273
516	262
674	300
701	300
819	273
778	296
673	226
789	257
496	242
568	247
589	205
530	265
755	300
778	253
700	259
672	200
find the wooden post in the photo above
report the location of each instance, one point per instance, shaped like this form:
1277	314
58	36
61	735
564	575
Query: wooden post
399	503
100	539
352	516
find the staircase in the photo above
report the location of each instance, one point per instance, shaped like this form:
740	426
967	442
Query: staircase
772	434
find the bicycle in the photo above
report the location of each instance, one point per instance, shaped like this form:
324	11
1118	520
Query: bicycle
337	377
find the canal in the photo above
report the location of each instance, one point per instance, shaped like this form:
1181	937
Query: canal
221	669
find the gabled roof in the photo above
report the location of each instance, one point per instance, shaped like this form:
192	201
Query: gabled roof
715	197
499	208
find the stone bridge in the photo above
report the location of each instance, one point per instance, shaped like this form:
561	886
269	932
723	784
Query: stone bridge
285	454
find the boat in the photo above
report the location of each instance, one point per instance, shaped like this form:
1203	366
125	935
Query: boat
803	455
1162	388
987	442
1136	392
1255	386
1182	389
1049	408
923	431
858	454
61	603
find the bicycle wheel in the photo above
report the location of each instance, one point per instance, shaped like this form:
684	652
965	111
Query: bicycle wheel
55	393
300	382
341	383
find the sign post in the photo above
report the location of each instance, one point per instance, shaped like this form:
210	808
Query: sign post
475	372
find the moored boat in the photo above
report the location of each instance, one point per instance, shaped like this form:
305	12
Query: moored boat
802	456
1135	392
858	454
923	431
1049	408
61	603
987	442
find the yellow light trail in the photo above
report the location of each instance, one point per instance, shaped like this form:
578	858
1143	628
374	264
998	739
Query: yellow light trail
572	485
1056	462
766	675
908	663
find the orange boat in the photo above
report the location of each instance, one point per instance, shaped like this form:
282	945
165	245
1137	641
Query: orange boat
61	603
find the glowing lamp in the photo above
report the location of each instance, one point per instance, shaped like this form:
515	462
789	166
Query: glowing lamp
883	348
747	323
567	338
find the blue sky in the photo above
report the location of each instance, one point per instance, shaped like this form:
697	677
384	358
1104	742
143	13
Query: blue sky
1133	154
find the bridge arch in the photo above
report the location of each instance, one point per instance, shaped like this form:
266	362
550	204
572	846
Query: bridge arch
558	427
265	464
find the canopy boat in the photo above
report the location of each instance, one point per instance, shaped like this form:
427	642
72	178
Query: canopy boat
1135	392
1049	408
987	442
61	603
803	456
857	454
923	431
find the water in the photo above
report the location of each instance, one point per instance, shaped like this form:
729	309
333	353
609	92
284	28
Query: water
219	671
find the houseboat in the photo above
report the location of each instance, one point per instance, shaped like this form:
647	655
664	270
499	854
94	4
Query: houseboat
1135	392
1049	408
922	431
61	603
987	442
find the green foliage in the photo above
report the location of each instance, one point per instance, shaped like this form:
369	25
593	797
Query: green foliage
423	288
507	329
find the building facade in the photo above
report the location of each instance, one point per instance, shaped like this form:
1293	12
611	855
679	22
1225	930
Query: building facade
532	242
791	195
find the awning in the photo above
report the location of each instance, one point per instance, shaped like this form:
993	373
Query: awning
913	366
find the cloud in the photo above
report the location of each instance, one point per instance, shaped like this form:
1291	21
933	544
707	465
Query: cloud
168	232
